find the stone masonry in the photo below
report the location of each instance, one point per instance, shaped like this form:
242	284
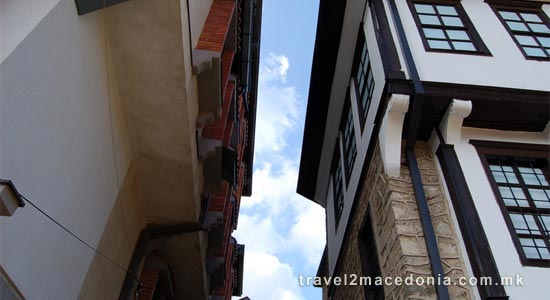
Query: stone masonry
399	235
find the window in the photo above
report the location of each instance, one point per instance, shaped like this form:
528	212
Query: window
444	26
530	30
347	132
370	265
364	79
338	187
522	186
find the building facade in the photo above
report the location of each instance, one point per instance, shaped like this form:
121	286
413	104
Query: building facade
128	126
427	141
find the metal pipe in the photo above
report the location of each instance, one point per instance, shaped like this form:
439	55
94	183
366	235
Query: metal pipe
412	132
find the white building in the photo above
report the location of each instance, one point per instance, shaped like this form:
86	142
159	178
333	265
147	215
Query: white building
132	126
427	141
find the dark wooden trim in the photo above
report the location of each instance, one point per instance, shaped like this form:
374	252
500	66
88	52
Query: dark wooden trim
511	149
385	41
343	118
369	256
475	239
516	3
364	171
481	48
327	42
520	150
87	6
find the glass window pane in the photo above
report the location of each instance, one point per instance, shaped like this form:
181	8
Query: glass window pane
507	15
464	46
446	10
534	52
429	20
542	180
531	17
495	168
499	177
517	26
458	35
545	41
519	223
434	33
539	28
511	177
532	224
526	40
518	193
538	194
424	8
527	242
505	192
434	44
544	254
530	179
531	252
452	21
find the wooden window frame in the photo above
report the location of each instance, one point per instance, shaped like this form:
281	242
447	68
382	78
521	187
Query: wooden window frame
475	38
357	60
347	111
336	163
368	252
516	150
519	7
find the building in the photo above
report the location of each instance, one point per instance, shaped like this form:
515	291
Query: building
427	142
131	124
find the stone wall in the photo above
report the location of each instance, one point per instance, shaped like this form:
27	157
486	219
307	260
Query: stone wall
399	235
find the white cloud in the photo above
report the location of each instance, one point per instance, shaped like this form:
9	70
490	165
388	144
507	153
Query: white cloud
308	234
283	232
267	278
277	105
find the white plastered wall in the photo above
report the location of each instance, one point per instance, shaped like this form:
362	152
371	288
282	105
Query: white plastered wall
60	135
340	85
500	240
499	70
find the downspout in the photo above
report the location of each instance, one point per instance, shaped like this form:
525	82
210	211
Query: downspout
412	131
150	239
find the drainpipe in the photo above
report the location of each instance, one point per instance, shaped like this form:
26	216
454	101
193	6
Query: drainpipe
150	239
412	131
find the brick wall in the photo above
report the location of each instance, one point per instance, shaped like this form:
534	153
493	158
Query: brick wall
399	234
217	23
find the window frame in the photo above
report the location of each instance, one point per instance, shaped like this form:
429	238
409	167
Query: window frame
357	60
516	150
519	7
336	163
347	111
475	38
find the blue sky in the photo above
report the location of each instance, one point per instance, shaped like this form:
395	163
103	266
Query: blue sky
284	233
